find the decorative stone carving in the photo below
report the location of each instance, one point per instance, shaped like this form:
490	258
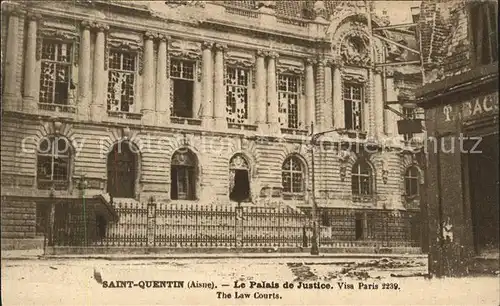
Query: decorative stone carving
354	50
185	49
320	9
267	4
58	35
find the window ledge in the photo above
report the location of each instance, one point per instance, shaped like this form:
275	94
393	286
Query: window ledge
125	115
48	184
242	126
57	107
185	120
293	131
293	196
362	198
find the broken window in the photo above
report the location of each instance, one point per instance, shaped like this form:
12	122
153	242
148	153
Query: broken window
292	174
55	78
121	171
483	30
239	187
237	94
353	103
411	181
182	74
183	175
288	99
53	162
361	178
121	80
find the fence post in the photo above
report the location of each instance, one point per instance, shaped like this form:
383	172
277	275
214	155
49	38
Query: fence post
151	226
239	226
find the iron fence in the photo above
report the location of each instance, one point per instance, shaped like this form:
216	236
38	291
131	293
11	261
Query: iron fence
187	226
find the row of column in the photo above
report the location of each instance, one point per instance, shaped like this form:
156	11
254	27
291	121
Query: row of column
323	91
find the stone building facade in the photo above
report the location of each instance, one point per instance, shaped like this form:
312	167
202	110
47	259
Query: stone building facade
460	96
185	100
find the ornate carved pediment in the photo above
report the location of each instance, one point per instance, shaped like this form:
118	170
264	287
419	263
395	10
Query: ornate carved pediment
185	49
355	49
351	77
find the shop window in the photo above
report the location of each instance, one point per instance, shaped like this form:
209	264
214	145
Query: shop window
55	78
122	162
362	179
121	80
288	99
483	31
182	78
239	189
353	106
53	163
183	175
411	181
292	173
237	81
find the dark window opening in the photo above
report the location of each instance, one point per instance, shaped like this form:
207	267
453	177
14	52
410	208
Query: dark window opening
121	171
53	163
237	82
42	215
182	75
325	219
484	23
55	79
121	81
353	106
362	179
409	113
101	225
183	176
411	181
292	176
239	189
359	227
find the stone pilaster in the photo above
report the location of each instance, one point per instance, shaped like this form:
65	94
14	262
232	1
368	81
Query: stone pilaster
207	84
30	77
378	105
328	109
260	80
98	108
272	94
338	101
84	90
11	94
219	88
197	94
320	95
148	82
310	107
162	86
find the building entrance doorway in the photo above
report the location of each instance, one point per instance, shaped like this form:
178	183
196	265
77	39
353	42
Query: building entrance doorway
484	183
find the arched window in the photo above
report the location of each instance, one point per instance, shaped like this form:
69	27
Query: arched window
239	179
53	163
362	179
122	172
411	181
292	175
183	175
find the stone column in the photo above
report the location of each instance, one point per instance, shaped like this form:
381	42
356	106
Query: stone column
98	108
378	105
207	84
197	111
162	87
30	77
219	88
260	84
148	82
320	96
338	101
310	107
328	109
11	93
272	95
84	90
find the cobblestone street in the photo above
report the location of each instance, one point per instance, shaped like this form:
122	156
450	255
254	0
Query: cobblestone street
75	282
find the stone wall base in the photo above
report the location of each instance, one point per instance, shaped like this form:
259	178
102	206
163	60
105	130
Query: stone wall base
22	244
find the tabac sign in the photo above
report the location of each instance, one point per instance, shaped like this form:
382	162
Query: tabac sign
478	107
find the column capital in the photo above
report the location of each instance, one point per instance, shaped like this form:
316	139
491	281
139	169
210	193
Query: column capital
86	24
148	35
12	9
207	45
163	37
220	47
337	62
377	69
261	53
321	61
100	27
273	54
311	61
33	16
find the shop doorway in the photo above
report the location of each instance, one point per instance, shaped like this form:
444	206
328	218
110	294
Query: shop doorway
484	183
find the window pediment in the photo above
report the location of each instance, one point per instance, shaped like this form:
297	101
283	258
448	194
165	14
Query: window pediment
185	49
62	34
124	42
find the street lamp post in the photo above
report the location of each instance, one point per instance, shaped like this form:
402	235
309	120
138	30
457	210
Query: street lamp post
315	233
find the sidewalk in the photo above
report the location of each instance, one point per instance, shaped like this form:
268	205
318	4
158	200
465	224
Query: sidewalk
38	254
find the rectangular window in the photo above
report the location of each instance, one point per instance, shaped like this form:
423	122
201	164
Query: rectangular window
182	74
288	99
121	80
409	113
353	106
237	80
55	78
183	187
483	31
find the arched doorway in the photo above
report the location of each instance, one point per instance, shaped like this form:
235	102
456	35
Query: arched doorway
122	171
183	175
239	179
